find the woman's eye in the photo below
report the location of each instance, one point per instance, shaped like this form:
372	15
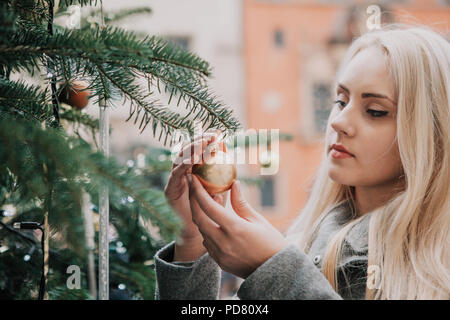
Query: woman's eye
377	113
340	102
373	113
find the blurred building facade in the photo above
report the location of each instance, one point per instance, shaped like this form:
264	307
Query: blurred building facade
274	63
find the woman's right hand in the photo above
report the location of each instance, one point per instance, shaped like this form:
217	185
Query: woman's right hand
189	246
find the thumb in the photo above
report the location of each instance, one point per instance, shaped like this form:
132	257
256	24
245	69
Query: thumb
239	204
220	199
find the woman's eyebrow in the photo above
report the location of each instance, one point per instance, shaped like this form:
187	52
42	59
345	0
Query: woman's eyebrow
368	94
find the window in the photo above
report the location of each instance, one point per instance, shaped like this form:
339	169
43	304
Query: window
267	192
321	105
271	101
279	38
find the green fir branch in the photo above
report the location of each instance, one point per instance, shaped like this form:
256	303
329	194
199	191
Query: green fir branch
26	147
24	100
153	58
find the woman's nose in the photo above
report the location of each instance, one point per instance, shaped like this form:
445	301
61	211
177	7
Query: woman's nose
343	123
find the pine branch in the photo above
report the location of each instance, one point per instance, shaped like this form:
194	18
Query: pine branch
120	48
141	277
51	67
8	18
216	114
151	200
27	101
73	167
111	17
20	91
78	117
42	169
114	17
166	119
84	54
34	11
19	99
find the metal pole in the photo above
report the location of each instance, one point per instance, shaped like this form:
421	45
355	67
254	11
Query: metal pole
89	234
104	210
103	267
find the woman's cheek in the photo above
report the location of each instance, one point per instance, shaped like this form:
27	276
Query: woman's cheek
392	166
378	167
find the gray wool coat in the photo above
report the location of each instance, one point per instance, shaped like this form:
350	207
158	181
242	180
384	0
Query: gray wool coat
288	275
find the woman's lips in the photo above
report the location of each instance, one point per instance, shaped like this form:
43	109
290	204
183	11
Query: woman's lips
339	154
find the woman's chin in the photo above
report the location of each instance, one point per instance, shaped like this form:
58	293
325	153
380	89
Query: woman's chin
340	177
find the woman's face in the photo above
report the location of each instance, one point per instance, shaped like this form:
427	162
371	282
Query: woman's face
364	122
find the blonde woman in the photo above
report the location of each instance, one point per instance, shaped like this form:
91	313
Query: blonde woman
377	221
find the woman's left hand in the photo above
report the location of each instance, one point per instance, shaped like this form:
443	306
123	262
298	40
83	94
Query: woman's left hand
239	242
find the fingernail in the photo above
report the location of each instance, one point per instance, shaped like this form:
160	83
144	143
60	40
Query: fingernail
197	159
189	177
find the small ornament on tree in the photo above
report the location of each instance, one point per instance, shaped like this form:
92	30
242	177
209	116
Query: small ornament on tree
217	172
75	94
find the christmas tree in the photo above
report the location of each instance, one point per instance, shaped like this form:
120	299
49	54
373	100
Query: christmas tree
50	174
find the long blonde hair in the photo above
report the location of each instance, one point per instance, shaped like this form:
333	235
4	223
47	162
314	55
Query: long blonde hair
409	235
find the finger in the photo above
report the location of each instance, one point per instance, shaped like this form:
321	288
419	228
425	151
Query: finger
221	198
240	204
198	151
206	226
223	146
213	243
211	248
217	144
208	135
214	133
215	211
212	148
191	152
185	152
218	199
192	147
181	169
205	136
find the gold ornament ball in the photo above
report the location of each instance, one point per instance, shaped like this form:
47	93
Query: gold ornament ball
216	174
75	95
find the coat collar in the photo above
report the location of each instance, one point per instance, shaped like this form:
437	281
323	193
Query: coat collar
357	237
355	244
